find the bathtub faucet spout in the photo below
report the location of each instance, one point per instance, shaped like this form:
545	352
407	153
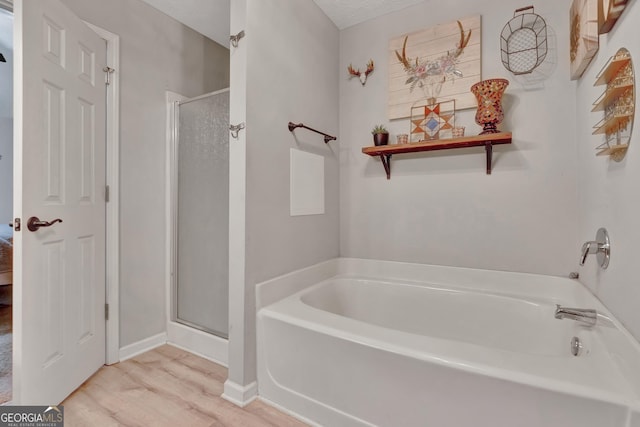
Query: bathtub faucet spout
586	316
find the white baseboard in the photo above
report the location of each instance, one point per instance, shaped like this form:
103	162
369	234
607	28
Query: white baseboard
239	395
197	342
132	350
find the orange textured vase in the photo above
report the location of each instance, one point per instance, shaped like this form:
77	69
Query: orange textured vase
489	95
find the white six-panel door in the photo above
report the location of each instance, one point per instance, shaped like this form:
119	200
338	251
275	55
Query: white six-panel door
59	173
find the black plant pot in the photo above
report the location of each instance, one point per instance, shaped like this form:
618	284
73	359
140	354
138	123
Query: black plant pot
380	138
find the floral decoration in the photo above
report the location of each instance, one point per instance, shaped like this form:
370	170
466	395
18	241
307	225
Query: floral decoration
429	75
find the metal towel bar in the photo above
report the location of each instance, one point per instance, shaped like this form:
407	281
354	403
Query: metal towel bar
327	138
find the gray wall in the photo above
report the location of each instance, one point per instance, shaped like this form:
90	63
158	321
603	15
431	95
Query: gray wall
157	54
6	117
6	169
292	75
609	194
441	207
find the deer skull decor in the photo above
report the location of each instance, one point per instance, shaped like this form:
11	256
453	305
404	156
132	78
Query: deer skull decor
362	75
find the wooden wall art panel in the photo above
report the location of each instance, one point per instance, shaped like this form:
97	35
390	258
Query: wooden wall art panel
435	47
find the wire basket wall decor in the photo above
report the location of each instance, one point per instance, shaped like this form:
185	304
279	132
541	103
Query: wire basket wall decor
523	41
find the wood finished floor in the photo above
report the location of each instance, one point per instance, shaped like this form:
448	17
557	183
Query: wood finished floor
6	341
164	387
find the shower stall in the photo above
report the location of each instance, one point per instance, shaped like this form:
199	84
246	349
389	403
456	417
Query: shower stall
199	229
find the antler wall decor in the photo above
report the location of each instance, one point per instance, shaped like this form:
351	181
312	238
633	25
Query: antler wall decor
362	75
437	63
433	72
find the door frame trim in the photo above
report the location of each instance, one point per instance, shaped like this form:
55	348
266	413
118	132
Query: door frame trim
112	261
171	99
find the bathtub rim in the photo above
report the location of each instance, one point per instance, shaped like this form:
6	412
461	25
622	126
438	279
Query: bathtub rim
280	287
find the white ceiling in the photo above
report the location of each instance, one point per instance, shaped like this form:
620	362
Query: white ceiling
208	17
211	17
345	13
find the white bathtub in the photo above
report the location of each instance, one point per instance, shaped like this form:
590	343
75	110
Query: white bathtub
459	347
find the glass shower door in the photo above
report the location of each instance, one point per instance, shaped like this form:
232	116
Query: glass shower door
201	213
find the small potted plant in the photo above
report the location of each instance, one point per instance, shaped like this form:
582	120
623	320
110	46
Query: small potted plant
380	135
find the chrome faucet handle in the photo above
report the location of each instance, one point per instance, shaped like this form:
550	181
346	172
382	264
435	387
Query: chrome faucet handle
589	247
601	247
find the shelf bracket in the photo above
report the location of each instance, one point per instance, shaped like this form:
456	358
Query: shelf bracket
488	147
386	162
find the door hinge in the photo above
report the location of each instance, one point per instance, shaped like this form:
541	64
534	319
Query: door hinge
106	312
108	71
106	193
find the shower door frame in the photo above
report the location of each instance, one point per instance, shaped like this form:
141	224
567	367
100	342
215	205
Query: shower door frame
192	337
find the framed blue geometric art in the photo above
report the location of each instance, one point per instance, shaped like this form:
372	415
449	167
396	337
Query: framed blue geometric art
434	121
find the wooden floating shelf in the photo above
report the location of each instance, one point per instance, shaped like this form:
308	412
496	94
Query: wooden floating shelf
610	151
611	124
609	96
487	141
611	70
